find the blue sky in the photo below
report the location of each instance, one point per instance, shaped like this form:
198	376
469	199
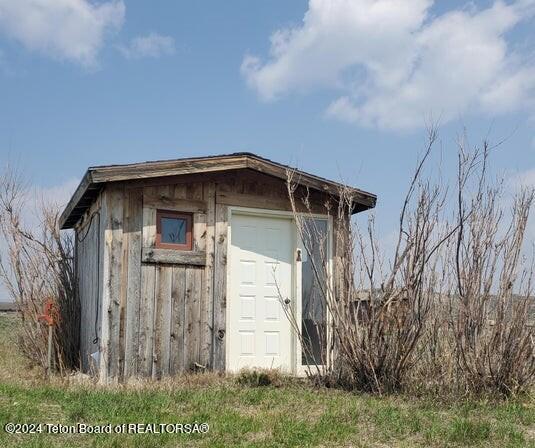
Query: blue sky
340	88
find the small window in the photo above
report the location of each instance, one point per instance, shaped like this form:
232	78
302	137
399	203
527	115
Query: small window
173	230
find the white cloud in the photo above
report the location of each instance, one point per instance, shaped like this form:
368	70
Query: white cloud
72	30
152	45
394	63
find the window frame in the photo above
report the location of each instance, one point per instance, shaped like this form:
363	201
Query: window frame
173	214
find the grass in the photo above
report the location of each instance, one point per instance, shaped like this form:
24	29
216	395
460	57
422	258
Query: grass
292	415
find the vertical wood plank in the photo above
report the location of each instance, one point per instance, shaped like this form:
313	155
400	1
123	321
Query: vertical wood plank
162	330
189	331
112	283
156	352
78	250
179	191
165	290
133	231
196	304
91	263
123	289
199	231
220	287
339	242
207	308
149	221
117	279
178	293
103	316
165	191
194	191
146	335
87	272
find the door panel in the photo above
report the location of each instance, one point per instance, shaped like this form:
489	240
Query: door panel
260	269
312	279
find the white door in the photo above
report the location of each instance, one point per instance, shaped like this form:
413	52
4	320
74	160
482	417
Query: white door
261	257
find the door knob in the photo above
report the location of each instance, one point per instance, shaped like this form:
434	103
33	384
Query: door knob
287	301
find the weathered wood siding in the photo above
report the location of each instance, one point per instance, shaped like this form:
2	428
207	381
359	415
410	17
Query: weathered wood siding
163	312
156	311
88	236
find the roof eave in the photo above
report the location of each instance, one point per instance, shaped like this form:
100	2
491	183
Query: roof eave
96	177
75	199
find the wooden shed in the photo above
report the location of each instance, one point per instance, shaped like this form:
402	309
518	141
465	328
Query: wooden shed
181	264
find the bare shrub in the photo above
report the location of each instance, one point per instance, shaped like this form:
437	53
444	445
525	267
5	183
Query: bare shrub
491	286
377	315
448	311
37	265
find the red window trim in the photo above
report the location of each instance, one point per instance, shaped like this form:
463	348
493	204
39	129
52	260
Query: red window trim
173	214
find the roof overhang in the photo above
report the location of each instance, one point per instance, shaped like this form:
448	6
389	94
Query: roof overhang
96	177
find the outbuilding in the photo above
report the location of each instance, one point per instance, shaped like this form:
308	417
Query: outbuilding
182	264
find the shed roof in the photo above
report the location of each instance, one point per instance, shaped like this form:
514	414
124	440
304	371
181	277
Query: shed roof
97	176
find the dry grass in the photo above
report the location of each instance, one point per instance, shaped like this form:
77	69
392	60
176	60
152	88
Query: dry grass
14	367
290	414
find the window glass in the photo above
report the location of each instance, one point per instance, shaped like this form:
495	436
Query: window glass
173	230
313	286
